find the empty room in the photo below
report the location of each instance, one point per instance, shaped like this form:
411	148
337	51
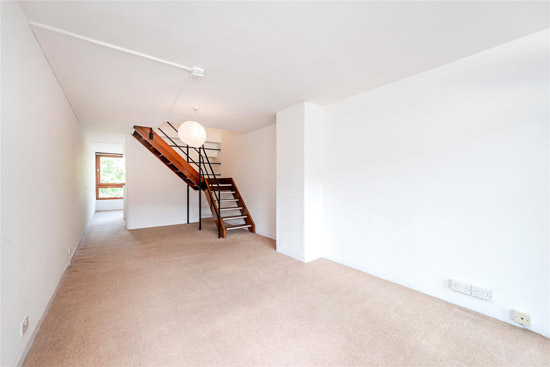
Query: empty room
285	183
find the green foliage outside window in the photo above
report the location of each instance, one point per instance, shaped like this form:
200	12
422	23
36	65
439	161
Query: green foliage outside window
111	170
111	177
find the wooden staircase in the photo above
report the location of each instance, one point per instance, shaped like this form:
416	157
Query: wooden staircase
232	208
234	213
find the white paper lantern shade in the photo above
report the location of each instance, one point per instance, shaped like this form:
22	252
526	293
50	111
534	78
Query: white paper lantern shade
192	133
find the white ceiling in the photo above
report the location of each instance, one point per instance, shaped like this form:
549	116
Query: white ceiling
259	57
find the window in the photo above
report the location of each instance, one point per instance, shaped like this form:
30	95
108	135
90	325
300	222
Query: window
109	176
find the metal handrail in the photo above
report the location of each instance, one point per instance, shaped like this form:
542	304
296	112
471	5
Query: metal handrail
180	147
175	145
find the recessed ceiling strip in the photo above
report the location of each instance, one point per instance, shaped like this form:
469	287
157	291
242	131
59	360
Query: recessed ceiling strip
195	71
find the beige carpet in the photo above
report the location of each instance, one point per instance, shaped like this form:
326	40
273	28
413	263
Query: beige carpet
176	296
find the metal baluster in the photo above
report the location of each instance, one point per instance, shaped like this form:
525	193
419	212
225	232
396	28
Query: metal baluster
218	212
200	189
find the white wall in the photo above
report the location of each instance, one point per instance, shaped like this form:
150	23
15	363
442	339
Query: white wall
290	181
314	169
47	182
250	160
299	181
446	175
106	205
114	204
155	196
100	147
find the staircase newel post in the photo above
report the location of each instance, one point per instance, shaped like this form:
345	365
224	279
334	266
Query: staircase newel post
200	189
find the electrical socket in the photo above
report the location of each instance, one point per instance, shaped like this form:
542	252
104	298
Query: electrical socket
522	318
24	326
460	286
69	250
482	293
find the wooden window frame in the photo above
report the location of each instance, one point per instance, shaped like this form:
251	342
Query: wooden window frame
98	184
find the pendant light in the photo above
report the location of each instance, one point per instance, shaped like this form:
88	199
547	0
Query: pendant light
192	133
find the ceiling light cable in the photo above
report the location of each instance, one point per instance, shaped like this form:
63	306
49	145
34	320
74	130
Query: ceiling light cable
185	84
195	71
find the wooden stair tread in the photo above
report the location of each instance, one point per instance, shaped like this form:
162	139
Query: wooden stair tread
232	208
235	217
215	193
238	226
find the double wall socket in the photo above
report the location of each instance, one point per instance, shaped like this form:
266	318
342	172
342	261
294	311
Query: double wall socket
460	286
472	290
482	293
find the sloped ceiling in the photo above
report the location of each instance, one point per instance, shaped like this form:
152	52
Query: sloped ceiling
259	57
